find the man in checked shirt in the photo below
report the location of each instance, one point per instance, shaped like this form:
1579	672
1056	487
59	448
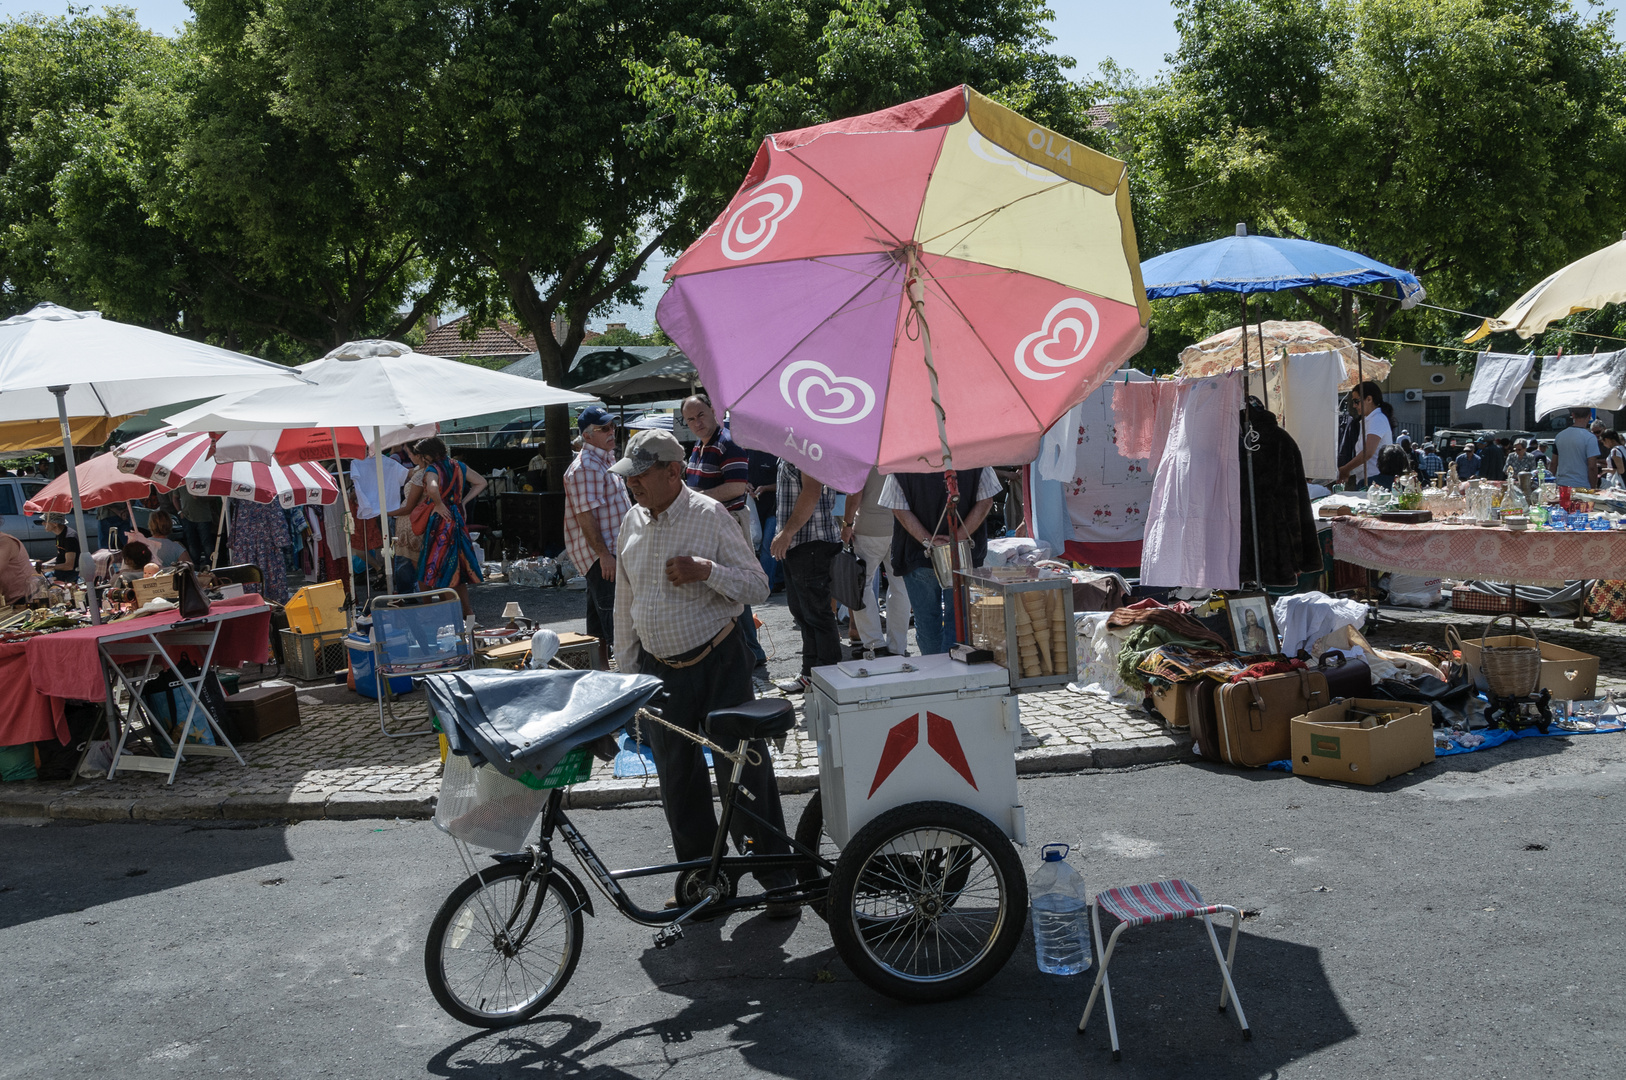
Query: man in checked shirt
595	503
683	574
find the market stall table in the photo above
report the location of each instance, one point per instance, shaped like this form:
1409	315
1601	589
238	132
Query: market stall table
85	665
1518	557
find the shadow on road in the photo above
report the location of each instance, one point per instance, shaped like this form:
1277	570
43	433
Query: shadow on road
807	1017
38	881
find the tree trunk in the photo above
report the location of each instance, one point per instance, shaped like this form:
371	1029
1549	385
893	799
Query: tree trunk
535	315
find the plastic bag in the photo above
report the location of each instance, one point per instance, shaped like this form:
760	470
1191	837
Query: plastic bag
481	806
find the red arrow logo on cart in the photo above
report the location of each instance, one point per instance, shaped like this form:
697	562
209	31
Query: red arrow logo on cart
905	736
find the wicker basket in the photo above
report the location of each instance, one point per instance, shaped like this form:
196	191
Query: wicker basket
1510	670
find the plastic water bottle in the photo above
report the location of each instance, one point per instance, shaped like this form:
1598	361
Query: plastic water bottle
1061	930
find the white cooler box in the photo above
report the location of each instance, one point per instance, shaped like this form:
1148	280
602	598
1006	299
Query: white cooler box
945	732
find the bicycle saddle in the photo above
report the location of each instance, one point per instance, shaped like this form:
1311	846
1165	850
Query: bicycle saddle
764	718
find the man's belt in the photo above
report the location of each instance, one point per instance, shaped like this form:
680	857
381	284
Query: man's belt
694	656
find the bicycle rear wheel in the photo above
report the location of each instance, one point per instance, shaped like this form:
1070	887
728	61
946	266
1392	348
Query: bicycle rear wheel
927	902
496	956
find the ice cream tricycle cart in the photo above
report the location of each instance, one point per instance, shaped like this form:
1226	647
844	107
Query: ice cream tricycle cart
907	851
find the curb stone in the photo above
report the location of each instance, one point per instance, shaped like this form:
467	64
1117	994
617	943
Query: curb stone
40	804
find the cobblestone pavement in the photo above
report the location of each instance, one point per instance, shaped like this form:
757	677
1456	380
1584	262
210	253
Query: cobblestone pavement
337	764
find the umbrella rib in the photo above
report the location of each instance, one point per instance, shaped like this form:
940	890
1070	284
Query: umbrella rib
987	215
949	300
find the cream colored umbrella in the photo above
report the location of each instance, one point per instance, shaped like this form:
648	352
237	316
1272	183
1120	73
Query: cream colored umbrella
1595	281
1224	352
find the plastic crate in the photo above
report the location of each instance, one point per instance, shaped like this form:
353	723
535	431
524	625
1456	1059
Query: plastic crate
314	656
573	768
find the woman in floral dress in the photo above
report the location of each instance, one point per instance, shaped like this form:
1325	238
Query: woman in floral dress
259	533
448	559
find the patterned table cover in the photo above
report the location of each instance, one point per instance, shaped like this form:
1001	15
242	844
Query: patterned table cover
1471	552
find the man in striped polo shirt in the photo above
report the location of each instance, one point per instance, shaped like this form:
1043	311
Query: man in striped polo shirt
719	468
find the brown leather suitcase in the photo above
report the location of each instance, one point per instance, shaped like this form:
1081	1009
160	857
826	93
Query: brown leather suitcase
1202	715
261	711
1345	677
1254	721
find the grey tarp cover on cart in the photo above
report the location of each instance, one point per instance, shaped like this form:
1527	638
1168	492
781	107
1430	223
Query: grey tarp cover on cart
525	721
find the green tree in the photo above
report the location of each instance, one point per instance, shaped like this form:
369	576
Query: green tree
59	79
1478	143
554	146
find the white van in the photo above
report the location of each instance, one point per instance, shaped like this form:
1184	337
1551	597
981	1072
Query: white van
29	528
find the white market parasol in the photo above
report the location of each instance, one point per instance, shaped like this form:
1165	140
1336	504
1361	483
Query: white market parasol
70	365
377	385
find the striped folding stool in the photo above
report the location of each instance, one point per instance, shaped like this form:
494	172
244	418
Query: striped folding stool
1161	901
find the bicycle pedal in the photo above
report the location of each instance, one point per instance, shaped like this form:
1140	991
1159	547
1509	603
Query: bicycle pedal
668	936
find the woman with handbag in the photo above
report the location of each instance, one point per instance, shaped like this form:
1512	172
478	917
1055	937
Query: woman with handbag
409	540
448	559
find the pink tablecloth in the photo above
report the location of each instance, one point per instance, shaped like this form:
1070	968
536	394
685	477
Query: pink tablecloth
66	665
26	715
1473	553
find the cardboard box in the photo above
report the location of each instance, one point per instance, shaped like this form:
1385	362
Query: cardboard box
148	589
1170	703
1328	745
1570	675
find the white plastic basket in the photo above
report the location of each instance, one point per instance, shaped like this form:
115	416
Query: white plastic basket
481	806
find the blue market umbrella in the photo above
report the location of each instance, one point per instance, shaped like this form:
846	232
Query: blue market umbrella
1255	264
1246	264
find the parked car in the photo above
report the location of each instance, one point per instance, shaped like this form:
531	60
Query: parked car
29	528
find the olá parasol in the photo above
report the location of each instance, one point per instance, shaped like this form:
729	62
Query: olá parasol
939	280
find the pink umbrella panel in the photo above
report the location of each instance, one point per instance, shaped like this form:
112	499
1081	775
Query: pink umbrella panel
170	457
795	305
101	483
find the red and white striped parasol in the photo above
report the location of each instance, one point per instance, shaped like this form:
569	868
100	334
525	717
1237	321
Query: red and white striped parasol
168	457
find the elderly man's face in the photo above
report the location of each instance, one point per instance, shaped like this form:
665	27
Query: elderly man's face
657	486
700	419
602	436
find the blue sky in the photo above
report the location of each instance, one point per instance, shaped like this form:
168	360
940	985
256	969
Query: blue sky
1136	33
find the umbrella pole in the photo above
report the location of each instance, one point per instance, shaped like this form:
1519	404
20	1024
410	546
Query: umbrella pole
917	301
349	577
1250	440
87	573
220	536
383	518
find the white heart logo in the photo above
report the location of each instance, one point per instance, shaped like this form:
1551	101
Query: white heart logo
998	155
856	397
752	225
1037	347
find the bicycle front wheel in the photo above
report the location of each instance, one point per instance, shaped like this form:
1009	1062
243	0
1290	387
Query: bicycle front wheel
497	955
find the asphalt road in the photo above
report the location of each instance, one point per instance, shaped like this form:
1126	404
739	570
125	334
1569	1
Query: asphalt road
1459	922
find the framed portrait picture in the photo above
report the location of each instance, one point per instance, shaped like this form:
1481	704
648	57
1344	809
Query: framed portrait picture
1251	625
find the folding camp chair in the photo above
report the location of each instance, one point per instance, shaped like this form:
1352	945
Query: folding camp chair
416	634
1161	901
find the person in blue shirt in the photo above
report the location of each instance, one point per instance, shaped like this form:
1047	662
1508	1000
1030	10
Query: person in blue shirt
1468	464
